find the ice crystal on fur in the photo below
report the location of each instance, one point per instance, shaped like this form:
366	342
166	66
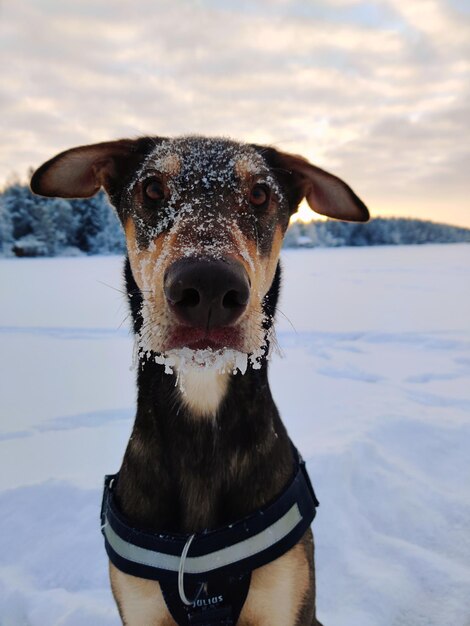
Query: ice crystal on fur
222	361
202	177
189	163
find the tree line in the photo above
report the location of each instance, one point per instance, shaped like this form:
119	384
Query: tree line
33	226
377	232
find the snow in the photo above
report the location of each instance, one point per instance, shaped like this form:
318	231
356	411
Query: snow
183	359
374	388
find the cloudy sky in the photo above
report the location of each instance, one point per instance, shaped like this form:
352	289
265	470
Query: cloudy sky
376	91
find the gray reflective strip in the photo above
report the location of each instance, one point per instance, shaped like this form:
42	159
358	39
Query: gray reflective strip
214	560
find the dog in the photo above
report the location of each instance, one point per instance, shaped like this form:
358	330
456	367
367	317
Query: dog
209	457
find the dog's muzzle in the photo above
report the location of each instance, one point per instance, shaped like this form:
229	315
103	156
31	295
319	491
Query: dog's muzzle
207	293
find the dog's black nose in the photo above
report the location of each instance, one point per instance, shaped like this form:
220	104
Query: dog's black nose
207	293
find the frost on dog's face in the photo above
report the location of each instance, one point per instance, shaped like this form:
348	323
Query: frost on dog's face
196	198
205	199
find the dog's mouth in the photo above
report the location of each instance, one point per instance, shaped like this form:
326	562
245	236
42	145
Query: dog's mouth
223	349
202	339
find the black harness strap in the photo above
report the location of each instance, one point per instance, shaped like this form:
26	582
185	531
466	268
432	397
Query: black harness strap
217	564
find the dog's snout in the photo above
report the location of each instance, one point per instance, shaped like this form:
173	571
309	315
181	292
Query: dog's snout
207	293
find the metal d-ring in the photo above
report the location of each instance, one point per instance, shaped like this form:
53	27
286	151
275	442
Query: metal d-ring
184	554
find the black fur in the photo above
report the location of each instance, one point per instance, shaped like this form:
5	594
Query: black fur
188	474
183	474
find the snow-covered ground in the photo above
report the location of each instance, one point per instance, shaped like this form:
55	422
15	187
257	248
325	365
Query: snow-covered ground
374	387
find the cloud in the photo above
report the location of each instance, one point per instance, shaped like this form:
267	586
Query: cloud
371	89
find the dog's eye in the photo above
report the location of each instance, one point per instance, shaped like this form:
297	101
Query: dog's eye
153	189
259	195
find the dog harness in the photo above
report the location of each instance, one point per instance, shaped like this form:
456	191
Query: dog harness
205	577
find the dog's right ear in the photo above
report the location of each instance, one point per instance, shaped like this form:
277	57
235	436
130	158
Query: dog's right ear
81	172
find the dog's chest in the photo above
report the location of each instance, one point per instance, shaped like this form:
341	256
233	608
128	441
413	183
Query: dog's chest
202	390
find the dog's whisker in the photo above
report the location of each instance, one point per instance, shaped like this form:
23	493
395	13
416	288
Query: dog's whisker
124	321
278	310
121	291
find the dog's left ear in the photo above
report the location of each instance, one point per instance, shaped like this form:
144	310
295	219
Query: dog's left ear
81	172
325	193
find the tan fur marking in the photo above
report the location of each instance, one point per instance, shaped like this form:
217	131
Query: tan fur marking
277	591
171	164
247	256
144	263
245	167
262	275
140	601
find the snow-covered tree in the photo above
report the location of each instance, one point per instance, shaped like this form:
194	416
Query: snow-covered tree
34	226
100	231
6	230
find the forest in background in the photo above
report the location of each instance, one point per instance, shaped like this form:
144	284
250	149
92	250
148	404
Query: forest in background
33	226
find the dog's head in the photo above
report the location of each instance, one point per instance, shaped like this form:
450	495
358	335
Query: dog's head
204	222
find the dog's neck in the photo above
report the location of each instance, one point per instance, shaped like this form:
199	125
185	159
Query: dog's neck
187	469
